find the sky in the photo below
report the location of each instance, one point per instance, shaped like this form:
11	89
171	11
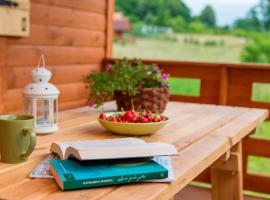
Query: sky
226	10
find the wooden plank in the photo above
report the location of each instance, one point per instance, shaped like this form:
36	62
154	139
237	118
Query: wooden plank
98	6
250	147
13	99
53	35
109	28
254	116
75	74
257	183
227	176
180	63
54	55
43	14
192	192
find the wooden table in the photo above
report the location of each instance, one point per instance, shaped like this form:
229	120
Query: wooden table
205	135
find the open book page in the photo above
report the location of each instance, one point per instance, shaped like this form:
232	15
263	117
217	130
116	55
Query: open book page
60	148
112	149
43	169
118	151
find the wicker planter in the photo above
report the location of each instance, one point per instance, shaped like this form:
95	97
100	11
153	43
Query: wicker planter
153	99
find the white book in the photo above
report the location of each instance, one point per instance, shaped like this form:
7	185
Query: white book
111	149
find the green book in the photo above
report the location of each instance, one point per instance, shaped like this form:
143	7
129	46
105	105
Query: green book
73	174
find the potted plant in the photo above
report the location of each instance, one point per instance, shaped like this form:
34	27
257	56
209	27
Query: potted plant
133	84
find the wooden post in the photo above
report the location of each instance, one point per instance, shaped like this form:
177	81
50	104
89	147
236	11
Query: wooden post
223	91
227	176
109	28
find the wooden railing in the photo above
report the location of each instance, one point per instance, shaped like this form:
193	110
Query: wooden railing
226	84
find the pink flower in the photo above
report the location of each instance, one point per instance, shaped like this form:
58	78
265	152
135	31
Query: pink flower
90	104
165	76
108	67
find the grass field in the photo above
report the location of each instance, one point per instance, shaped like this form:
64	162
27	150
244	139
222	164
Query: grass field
227	50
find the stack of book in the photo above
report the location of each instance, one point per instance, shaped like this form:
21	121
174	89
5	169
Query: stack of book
86	164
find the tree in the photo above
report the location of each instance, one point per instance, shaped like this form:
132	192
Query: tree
257	50
208	17
157	12
258	18
178	24
196	27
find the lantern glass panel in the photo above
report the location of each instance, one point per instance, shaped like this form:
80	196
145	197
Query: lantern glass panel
55	110
28	106
45	113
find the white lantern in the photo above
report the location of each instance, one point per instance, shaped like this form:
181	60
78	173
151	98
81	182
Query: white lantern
41	100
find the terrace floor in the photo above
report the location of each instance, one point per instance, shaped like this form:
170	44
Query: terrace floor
197	193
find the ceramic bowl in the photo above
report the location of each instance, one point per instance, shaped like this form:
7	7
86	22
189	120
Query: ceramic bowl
133	129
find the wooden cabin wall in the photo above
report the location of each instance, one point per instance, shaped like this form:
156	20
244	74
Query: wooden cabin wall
75	36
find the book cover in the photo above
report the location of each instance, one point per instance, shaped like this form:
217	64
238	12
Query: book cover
73	174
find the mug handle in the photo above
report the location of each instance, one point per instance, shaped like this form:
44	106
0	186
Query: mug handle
32	144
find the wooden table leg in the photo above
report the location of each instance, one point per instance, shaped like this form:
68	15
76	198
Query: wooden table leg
227	175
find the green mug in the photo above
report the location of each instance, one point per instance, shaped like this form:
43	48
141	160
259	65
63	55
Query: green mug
17	138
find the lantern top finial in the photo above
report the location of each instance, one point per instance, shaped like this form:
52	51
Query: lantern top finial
41	74
41	86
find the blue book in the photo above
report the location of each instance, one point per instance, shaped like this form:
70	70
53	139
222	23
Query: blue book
73	174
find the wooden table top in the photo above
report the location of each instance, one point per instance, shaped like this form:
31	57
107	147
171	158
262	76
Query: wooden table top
202	133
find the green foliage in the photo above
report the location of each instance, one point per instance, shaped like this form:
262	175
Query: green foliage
158	12
208	17
257	50
197	27
178	24
125	76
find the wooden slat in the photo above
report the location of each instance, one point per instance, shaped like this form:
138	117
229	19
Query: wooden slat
53	35
55	55
223	90
257	183
254	116
256	147
180	63
76	73
66	17
98	6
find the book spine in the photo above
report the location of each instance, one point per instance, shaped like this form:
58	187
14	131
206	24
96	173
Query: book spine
88	183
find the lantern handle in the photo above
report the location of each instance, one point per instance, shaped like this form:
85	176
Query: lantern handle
41	59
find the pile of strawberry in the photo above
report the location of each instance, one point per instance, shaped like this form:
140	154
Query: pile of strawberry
134	117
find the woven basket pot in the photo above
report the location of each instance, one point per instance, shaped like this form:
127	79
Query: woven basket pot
152	99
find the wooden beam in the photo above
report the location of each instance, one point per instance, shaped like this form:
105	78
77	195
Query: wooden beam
227	176
109	28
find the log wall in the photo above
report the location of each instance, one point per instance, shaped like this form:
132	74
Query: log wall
75	36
